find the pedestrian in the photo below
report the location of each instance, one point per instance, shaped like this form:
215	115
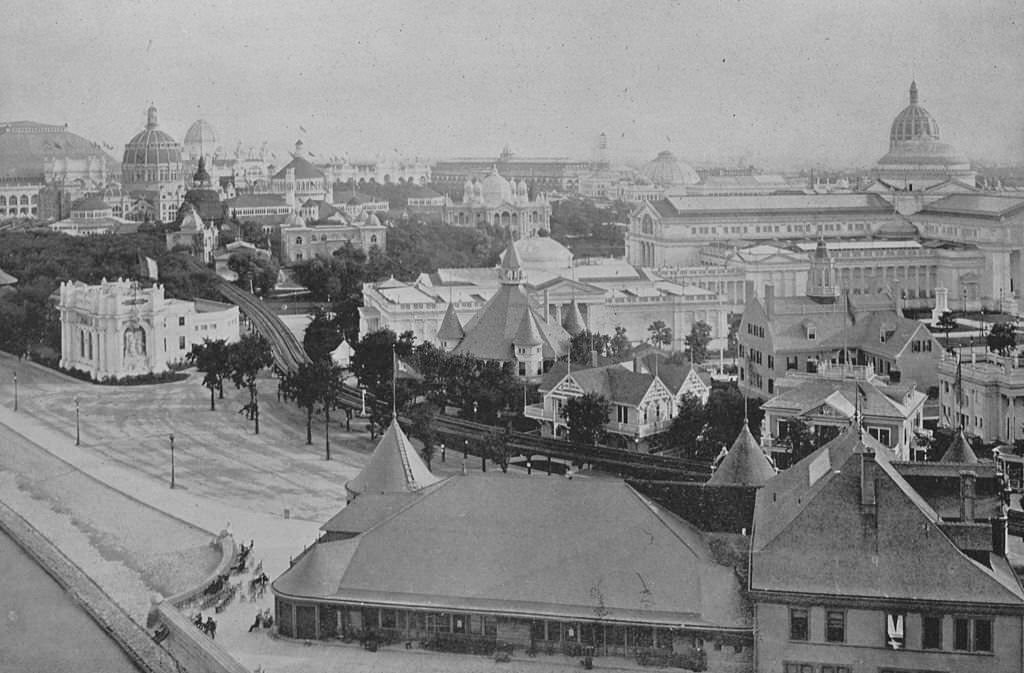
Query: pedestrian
198	620
258	624
211	628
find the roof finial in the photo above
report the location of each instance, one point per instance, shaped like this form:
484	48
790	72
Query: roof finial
913	92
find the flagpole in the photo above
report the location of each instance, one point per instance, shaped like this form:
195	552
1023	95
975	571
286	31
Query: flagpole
394	383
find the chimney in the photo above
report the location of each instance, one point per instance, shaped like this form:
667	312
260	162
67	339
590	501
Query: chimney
999	532
769	300
636	363
967	482
868	496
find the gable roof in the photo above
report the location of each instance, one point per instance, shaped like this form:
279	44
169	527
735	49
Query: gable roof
648	564
744	465
810	536
614	382
394	467
303	170
876	398
982	205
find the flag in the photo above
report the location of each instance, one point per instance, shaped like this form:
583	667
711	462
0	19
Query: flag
303	129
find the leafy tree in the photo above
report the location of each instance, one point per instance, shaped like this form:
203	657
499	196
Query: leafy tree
799	439
581	345
211	358
619	345
1002	338
586	417
322	336
497	449
372	358
331	389
303	387
247	357
946	323
336	277
685	433
661	334
422	415
724	418
697	341
732	340
253	271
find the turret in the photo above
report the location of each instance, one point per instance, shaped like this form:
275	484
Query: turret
527	347
821	280
450	333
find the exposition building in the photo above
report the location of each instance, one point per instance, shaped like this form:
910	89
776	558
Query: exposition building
118	328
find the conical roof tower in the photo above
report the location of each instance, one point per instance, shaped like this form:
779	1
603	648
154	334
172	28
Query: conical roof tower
573	322
959	451
744	465
394	467
451	328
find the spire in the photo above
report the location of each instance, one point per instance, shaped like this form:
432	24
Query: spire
201	177
151	122
451	328
527	334
573	322
913	92
745	464
394	467
959	450
511	267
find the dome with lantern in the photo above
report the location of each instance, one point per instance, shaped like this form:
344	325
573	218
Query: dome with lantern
495	189
152	157
665	170
200	139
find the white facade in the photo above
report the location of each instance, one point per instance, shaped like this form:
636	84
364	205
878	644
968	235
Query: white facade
118	328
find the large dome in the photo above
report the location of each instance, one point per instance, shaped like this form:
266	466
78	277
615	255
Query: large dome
667	171
152	156
200	138
27	147
495	189
913	122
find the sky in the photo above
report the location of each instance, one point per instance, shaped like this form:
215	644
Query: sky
779	84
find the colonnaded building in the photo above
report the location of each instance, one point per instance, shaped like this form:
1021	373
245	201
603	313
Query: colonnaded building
118	328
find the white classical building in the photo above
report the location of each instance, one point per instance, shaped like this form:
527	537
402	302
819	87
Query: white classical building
118	328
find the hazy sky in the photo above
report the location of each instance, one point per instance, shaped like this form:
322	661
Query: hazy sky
770	82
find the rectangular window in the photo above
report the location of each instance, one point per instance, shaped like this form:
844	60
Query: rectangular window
794	667
798	627
961	634
622	413
931	632
982	635
835	626
181	343
771	362
895	623
181	321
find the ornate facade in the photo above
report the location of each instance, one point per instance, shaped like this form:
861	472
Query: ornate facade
118	328
501	203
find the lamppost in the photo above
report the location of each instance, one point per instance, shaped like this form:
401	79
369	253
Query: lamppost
465	450
475	408
15	391
78	425
172	459
442	452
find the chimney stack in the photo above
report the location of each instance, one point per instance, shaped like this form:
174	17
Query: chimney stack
968	479
769	300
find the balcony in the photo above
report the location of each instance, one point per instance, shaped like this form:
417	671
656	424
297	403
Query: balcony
632	430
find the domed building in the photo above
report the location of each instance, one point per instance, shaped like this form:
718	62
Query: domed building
200	140
152	164
501	203
917	158
667	171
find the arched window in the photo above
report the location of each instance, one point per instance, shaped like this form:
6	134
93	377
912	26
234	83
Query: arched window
647	225
24	200
3	200
298	240
373	239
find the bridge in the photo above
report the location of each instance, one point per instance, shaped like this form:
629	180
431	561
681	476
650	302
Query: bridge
287	350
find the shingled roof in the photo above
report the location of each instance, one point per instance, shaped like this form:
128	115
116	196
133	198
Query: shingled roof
959	451
394	467
451	328
441	553
812	535
744	465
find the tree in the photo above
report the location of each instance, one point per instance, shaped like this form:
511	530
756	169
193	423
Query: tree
732	340
303	387
685	433
697	341
211	358
586	417
421	416
323	334
247	357
797	436
497	449
619	345
946	323
661	334
372	359
1002	338
582	345
258	273
331	390
724	413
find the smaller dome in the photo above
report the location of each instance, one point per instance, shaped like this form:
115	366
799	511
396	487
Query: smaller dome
913	122
200	138
667	171
496	189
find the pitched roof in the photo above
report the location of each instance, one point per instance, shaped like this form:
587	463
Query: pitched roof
303	170
744	465
255	201
394	467
451	328
986	205
810	536
614	382
649	565
527	334
959	451
876	398
489	333
769	203
6	278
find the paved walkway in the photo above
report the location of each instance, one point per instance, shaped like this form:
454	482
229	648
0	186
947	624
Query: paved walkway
224	475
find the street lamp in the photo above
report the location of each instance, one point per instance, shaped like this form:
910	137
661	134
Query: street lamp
78	425
465	450
15	391
475	408
442	452
172	459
